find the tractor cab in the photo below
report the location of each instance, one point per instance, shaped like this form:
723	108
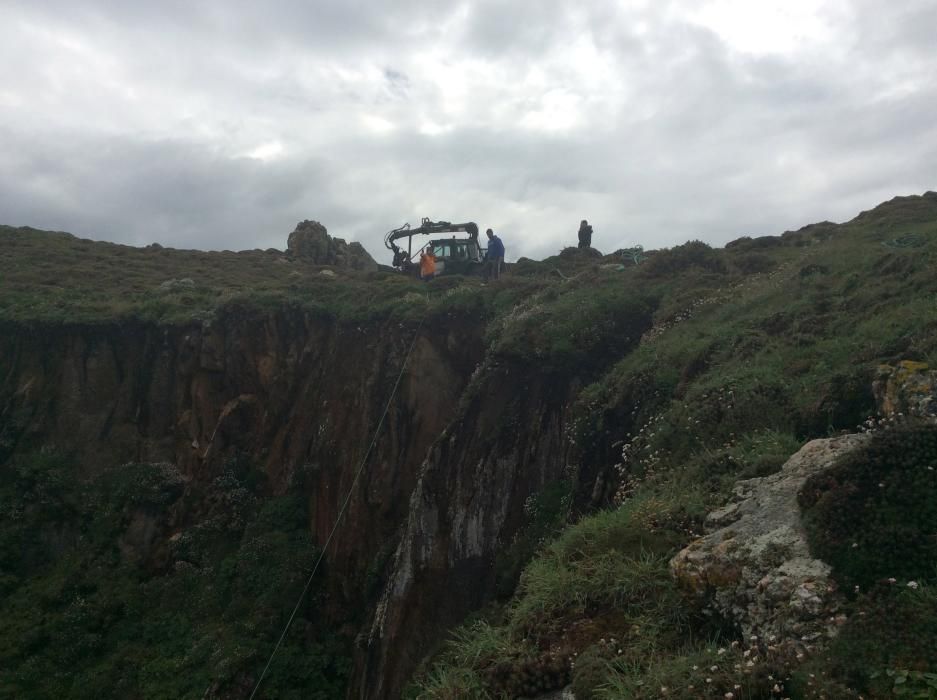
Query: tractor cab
456	256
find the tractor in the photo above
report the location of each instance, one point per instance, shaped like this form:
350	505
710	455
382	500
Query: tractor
454	256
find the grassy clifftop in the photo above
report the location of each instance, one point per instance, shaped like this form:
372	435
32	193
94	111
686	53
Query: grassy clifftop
56	277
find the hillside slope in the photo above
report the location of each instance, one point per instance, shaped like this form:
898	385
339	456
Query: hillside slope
575	385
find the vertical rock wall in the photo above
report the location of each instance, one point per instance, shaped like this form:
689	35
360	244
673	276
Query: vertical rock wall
467	504
300	395
443	492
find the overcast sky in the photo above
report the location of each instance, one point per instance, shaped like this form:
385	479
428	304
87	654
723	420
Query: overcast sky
221	123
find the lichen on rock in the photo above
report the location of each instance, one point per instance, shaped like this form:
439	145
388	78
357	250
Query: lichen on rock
908	388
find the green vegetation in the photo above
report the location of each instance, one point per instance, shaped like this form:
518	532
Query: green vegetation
580	325
749	352
889	646
94	607
694	369
874	515
58	278
598	609
606	573
546	514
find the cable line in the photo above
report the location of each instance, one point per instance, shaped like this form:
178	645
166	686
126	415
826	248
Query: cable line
341	511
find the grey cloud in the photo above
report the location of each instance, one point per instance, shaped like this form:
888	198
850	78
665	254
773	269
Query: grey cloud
333	26
906	27
523	29
177	193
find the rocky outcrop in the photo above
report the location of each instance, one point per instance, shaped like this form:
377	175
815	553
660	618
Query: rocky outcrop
310	242
906	389
754	567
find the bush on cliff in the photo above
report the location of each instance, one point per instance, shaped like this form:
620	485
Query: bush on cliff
873	516
683	257
890	636
94	607
581	327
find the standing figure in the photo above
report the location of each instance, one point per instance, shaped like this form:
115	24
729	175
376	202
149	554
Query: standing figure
427	264
494	256
585	234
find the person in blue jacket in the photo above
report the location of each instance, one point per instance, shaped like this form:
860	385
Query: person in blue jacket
494	256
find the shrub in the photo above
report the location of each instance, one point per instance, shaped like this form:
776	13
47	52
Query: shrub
526	678
582	329
590	672
683	257
892	633
84	618
873	515
753	263
749	243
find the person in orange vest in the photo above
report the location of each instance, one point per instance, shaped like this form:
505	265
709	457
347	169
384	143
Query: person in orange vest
427	264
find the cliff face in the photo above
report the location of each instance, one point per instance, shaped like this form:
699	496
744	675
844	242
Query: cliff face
462	448
302	396
467	504
299	395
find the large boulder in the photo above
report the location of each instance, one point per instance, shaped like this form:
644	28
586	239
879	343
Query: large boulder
755	568
311	243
